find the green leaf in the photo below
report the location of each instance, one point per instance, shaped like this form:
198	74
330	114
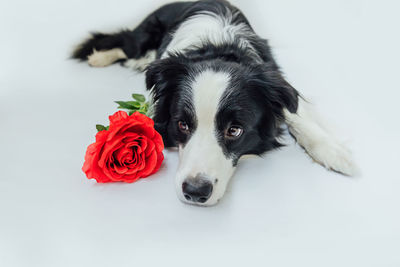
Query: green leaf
125	105
145	108
100	127
139	97
136	104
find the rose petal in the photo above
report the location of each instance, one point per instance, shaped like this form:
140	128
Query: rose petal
151	163
118	117
90	166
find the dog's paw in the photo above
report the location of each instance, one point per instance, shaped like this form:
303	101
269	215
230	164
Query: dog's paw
334	156
106	57
99	59
319	142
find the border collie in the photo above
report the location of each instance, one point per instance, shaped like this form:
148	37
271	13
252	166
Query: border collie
218	93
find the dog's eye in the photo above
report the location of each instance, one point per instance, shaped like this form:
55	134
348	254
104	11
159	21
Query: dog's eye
233	132
183	127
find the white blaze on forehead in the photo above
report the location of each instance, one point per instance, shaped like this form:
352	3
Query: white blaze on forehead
203	154
207	90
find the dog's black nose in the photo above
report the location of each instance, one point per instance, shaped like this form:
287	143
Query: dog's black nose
197	189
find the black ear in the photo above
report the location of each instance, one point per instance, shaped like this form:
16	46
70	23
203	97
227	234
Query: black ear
162	78
274	89
281	93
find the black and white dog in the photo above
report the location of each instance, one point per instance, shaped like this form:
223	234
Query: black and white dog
218	93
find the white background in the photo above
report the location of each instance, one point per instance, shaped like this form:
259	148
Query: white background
280	210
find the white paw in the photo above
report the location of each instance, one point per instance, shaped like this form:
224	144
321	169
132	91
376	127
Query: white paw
106	57
334	156
319	142
98	59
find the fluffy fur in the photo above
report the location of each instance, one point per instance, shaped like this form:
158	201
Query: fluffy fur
211	75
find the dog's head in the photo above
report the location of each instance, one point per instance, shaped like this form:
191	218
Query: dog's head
215	112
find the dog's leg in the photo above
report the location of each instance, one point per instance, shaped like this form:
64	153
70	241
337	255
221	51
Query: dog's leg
136	48
318	142
130	47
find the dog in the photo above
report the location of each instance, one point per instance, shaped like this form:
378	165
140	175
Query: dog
218	94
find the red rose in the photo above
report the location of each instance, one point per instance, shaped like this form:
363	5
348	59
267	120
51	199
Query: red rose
130	149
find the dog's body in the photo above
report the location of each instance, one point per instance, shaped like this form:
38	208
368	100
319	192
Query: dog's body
217	90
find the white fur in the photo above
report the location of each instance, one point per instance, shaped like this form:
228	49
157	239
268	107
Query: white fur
104	58
318	142
202	154
207	26
141	63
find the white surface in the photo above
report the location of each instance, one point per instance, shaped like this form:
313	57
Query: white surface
282	210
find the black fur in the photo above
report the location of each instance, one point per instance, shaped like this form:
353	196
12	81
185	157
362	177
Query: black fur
166	76
254	99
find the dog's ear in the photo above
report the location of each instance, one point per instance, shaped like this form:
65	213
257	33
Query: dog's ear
273	95
162	78
281	93
275	90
